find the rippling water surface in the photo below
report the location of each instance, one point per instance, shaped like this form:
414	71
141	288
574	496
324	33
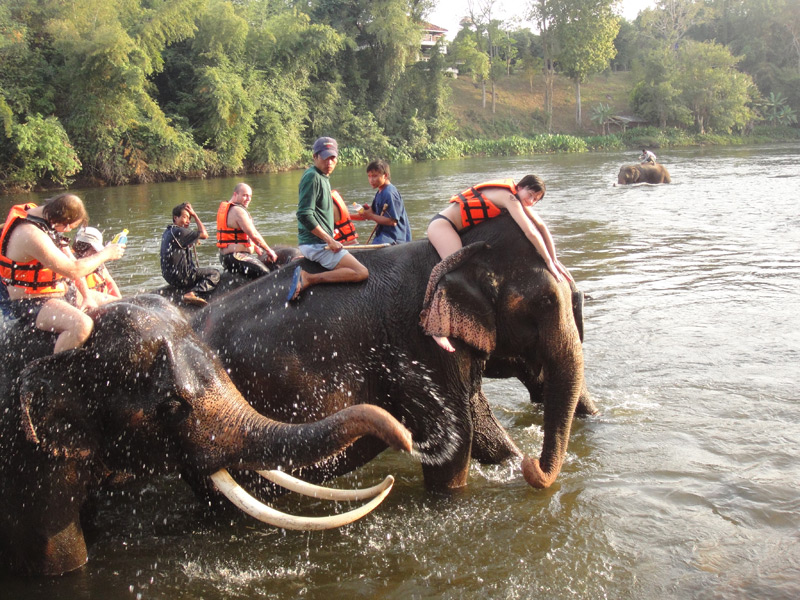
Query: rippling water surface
685	486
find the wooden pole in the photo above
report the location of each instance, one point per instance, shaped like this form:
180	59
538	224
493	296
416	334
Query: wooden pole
365	246
374	229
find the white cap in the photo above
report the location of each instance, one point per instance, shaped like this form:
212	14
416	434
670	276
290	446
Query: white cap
91	236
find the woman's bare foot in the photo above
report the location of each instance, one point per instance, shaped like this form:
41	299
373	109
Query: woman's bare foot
443	342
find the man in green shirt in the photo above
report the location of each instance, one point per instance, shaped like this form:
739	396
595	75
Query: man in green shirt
315	226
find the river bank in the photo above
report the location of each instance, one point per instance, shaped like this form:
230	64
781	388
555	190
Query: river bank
516	127
452	148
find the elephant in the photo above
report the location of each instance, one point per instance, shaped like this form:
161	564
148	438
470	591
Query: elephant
491	444
656	173
342	344
142	396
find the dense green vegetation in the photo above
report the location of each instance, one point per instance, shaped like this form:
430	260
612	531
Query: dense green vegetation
120	91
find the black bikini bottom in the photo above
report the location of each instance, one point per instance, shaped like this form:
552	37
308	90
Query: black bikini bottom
441	216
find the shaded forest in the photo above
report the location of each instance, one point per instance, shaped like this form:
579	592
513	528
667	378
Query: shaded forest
123	91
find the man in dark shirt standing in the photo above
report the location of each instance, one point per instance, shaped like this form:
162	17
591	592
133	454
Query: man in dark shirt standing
179	264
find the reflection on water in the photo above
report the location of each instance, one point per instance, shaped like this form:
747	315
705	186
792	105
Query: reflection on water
684	486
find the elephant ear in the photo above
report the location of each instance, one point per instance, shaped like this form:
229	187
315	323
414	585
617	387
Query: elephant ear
456	304
55	404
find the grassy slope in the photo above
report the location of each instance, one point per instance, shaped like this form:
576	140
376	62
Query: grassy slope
519	110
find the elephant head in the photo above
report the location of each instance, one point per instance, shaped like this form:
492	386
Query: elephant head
518	316
530	374
142	396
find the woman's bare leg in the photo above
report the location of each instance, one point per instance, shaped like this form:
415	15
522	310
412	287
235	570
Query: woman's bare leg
72	326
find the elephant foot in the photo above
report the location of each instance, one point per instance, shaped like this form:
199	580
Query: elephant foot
490	441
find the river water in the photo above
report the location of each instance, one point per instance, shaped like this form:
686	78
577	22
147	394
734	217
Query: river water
686	484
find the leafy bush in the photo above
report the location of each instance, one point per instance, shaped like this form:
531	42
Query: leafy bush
643	137
40	150
771	134
450	147
604	142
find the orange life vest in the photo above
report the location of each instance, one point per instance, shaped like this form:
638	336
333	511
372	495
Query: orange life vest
343	230
225	235
475	207
32	276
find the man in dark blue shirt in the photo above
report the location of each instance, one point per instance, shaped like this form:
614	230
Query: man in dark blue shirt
179	264
387	210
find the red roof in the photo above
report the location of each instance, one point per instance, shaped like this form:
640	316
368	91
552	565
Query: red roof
431	27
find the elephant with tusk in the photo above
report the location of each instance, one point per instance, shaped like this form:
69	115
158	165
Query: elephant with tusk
144	395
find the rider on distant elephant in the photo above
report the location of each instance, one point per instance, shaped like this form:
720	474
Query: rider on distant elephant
647	157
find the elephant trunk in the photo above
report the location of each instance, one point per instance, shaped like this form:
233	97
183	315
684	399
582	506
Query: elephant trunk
257	442
563	384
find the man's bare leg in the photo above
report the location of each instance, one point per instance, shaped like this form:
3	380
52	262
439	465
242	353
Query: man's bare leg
349	270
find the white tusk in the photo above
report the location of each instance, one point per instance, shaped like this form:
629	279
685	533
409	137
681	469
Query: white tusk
258	510
316	491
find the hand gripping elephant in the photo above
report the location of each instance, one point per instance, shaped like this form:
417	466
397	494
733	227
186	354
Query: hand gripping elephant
346	344
142	396
643	174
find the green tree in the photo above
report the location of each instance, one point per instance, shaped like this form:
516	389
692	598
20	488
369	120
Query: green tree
285	53
625	45
40	150
669	22
470	58
656	93
601	115
108	51
714	91
545	14
586	30
384	36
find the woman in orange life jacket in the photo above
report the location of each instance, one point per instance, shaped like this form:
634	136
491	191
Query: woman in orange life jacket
89	241
35	260
485	201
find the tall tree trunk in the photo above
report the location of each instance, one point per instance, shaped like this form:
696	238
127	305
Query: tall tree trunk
549	77
494	97
483	94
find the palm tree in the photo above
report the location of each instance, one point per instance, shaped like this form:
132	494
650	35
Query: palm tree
601	115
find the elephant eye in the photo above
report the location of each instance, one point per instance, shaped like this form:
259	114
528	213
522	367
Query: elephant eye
172	408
